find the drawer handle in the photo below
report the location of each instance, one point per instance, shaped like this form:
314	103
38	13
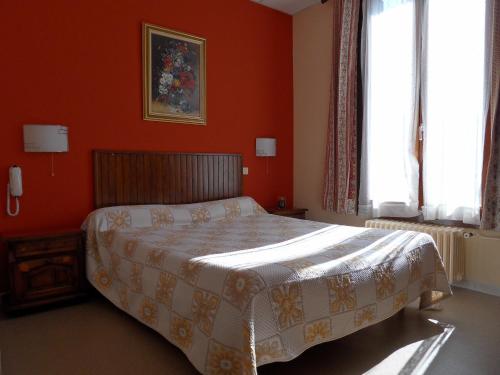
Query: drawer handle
24	267
64	260
27	266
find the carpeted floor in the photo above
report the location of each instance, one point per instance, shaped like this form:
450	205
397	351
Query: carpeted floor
96	338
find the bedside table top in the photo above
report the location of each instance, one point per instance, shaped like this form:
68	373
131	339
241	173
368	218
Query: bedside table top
38	235
286	211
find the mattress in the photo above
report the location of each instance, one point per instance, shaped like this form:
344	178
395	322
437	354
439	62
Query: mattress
235	288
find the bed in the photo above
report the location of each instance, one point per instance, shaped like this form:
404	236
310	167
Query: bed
230	285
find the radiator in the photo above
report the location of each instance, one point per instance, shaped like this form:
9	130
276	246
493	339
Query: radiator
449	241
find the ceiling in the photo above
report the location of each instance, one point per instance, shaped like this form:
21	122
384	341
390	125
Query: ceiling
287	6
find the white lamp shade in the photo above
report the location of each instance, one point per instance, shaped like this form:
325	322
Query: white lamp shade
45	138
265	146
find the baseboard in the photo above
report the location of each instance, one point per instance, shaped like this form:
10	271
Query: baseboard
478	287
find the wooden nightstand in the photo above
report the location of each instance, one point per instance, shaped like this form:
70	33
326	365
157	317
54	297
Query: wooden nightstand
298	213
44	269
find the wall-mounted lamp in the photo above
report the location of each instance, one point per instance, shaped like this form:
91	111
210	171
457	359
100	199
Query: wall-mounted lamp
46	138
265	147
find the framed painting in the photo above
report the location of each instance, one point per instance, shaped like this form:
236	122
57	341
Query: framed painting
174	76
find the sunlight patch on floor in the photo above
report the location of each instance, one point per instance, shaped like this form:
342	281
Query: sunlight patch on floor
414	359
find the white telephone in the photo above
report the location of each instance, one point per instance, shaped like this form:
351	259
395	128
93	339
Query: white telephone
14	188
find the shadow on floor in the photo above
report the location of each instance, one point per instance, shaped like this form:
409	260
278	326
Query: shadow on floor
360	352
97	338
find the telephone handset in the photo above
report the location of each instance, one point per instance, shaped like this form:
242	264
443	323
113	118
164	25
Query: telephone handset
14	188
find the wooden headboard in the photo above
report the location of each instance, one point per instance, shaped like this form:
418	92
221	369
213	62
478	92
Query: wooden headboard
136	177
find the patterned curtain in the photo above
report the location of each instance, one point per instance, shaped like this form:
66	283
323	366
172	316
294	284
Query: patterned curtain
491	202
341	167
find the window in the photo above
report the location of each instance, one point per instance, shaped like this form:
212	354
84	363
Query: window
454	108
390	111
437	52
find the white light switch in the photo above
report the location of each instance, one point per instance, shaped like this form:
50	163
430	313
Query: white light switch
245	171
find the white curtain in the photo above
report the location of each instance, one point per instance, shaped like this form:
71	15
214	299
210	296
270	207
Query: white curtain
454	107
390	64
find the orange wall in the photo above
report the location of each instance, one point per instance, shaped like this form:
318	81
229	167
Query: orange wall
78	63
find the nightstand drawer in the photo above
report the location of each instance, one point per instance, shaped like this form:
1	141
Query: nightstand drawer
28	248
45	277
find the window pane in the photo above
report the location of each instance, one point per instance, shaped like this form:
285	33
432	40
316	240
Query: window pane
389	171
454	108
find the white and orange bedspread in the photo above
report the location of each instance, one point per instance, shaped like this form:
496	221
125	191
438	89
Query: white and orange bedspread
234	287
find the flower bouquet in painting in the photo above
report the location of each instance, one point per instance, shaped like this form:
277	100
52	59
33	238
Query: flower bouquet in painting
174	76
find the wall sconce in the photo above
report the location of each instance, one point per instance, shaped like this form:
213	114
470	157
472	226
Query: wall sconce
46	138
265	147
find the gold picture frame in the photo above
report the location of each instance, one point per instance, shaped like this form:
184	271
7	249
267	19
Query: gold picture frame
174	76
